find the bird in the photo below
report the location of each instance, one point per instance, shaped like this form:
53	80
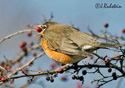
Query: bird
66	44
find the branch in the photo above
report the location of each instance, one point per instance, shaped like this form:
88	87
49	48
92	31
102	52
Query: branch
52	71
28	83
22	54
16	33
3	70
113	65
105	36
97	80
27	64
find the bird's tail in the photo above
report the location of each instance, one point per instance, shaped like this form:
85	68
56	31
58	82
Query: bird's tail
110	45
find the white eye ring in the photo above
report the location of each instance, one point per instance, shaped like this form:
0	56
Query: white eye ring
44	26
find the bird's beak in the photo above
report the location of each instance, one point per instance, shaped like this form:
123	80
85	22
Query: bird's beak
39	26
41	33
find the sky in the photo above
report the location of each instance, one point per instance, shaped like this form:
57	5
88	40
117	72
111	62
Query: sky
16	14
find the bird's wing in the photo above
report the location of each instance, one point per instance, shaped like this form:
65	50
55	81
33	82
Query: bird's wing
83	39
60	41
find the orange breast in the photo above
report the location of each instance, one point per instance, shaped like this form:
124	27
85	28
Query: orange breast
57	56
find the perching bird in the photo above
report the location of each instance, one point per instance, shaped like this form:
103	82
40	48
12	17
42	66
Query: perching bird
66	44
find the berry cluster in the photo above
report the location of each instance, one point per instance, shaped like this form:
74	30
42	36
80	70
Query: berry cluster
50	79
23	46
6	66
29	34
4	77
81	78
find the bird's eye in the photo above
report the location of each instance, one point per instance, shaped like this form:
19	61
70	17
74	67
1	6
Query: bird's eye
44	27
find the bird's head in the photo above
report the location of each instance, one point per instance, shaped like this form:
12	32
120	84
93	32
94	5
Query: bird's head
41	28
45	26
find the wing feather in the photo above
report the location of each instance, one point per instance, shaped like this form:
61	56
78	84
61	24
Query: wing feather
60	41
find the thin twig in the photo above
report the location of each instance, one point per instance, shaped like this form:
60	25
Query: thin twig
3	70
28	83
22	54
16	33
27	64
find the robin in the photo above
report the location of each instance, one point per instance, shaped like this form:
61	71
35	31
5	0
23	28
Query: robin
66	44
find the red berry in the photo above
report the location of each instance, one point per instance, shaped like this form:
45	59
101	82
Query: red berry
24	49
24	43
21	45
91	57
73	77
34	54
123	30
39	29
3	64
3	77
8	68
52	66
26	70
78	85
11	80
29	34
107	60
63	78
106	25
60	70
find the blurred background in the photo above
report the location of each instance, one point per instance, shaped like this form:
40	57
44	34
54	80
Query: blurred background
16	14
